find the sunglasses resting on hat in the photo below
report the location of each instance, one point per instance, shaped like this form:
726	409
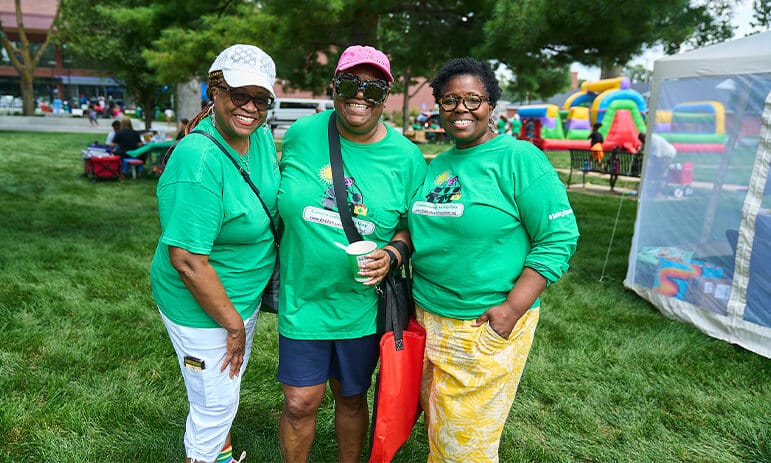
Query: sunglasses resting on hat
349	85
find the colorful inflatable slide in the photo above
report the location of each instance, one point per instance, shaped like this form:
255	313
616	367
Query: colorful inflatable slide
620	109
697	126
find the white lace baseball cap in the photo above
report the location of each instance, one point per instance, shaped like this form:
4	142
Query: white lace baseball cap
243	65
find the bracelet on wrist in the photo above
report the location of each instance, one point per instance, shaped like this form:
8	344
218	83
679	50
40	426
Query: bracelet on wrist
394	261
403	249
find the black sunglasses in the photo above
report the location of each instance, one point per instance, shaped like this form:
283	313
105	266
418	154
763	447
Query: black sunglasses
471	102
348	86
241	97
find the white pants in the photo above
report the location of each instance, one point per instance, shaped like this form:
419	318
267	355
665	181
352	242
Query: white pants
212	394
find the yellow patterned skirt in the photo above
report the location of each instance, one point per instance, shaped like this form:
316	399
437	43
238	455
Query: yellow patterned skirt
470	378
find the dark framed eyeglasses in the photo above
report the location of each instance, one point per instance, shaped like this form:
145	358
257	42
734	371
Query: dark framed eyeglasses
348	86
471	102
240	97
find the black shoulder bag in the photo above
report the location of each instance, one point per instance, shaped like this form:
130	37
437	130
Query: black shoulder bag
270	293
395	303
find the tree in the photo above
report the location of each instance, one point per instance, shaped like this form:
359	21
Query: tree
761	17
638	73
608	34
25	57
305	37
116	34
420	36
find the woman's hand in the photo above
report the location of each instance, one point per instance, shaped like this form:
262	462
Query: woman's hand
204	284
502	319
234	353
377	268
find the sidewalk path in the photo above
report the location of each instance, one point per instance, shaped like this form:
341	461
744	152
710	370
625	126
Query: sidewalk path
63	123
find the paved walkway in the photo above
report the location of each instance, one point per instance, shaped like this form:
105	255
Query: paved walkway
51	123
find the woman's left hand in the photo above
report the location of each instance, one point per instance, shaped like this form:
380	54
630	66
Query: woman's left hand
502	319
377	268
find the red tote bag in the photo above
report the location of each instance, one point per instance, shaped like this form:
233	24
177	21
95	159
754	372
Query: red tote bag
397	391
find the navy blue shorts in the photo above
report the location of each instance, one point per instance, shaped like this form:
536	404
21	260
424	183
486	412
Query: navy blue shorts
304	363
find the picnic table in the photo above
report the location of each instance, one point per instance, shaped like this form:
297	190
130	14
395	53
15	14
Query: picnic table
152	148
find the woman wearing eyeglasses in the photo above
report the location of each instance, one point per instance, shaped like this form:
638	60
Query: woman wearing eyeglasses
492	228
216	252
326	318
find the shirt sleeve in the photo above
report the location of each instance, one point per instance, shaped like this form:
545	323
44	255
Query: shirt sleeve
190	208
551	225
192	217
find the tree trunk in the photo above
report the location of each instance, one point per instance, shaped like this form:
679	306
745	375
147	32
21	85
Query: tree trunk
188	99
149	113
610	71
406	102
27	93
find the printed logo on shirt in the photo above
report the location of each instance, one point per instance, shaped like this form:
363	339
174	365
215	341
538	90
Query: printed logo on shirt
332	219
440	200
557	215
355	199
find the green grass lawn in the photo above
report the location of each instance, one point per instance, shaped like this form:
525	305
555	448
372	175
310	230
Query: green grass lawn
87	373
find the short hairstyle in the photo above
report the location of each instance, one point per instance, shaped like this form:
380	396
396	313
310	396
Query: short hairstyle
116	124
467	66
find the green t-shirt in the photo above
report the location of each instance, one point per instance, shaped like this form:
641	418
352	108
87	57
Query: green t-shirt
516	125
206	207
319	297
483	214
501	125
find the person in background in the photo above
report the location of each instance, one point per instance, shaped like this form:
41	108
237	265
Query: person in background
127	139
326	319
216	251
92	115
515	124
496	204
614	167
502	124
182	128
661	153
110	141
595	145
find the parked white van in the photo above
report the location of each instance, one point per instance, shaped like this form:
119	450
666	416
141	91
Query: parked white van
287	110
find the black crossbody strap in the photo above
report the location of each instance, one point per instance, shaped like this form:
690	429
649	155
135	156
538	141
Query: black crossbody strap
246	178
338	181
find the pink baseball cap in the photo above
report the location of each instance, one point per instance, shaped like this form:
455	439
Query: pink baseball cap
359	54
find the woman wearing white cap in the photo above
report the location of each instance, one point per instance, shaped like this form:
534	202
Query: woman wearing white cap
216	250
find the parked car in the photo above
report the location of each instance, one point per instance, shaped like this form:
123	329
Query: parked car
287	110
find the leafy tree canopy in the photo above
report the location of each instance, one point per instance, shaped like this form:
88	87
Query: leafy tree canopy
600	33
115	33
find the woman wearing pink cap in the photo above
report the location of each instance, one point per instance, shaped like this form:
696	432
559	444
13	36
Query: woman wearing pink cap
216	251
326	318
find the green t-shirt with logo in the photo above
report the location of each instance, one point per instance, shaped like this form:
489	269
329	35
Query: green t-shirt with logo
206	207
483	214
319	297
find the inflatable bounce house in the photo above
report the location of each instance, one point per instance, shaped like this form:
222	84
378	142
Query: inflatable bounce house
697	126
611	102
706	258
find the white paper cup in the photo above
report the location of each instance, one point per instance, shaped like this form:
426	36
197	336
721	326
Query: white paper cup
356	252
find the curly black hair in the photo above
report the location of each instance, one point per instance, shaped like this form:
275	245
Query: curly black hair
467	66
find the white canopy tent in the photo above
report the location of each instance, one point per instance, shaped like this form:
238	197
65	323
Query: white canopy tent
701	250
